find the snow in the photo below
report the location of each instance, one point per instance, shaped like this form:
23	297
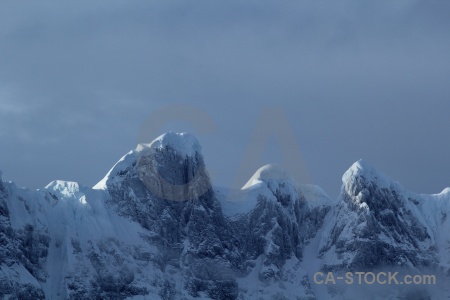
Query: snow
435	210
445	191
18	273
78	213
123	163
236	202
315	195
430	210
364	169
64	188
82	213
266	173
183	143
290	288
311	261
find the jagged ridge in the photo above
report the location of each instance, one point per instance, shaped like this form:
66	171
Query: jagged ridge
155	226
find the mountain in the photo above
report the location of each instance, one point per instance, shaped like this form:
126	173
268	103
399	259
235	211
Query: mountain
155	227
378	225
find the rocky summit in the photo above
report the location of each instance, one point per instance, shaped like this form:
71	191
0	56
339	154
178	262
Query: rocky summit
156	227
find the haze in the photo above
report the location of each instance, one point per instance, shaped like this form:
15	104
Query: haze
79	82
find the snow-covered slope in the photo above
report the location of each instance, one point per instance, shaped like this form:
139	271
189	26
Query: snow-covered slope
377	224
156	228
376	213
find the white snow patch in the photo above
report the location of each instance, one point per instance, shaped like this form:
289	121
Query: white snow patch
18	273
236	202
123	163
268	178
444	191
267	173
183	143
64	188
315	195
364	169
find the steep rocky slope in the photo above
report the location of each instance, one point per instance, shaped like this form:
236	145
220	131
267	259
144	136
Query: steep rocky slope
156	228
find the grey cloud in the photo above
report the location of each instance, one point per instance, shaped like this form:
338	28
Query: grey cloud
356	79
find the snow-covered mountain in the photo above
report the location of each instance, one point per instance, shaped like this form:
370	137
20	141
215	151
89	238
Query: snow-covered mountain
155	227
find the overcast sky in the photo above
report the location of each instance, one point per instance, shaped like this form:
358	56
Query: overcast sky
82	82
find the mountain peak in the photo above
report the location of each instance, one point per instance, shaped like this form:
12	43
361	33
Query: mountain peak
65	188
183	143
362	166
172	167
165	154
364	169
267	173
444	191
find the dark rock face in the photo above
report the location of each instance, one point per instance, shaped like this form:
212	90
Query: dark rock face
278	228
376	226
171	176
113	278
183	243
27	247
190	214
218	249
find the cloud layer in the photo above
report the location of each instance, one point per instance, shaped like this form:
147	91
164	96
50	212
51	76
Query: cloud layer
79	80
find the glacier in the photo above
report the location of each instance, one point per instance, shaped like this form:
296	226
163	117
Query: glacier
156	227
